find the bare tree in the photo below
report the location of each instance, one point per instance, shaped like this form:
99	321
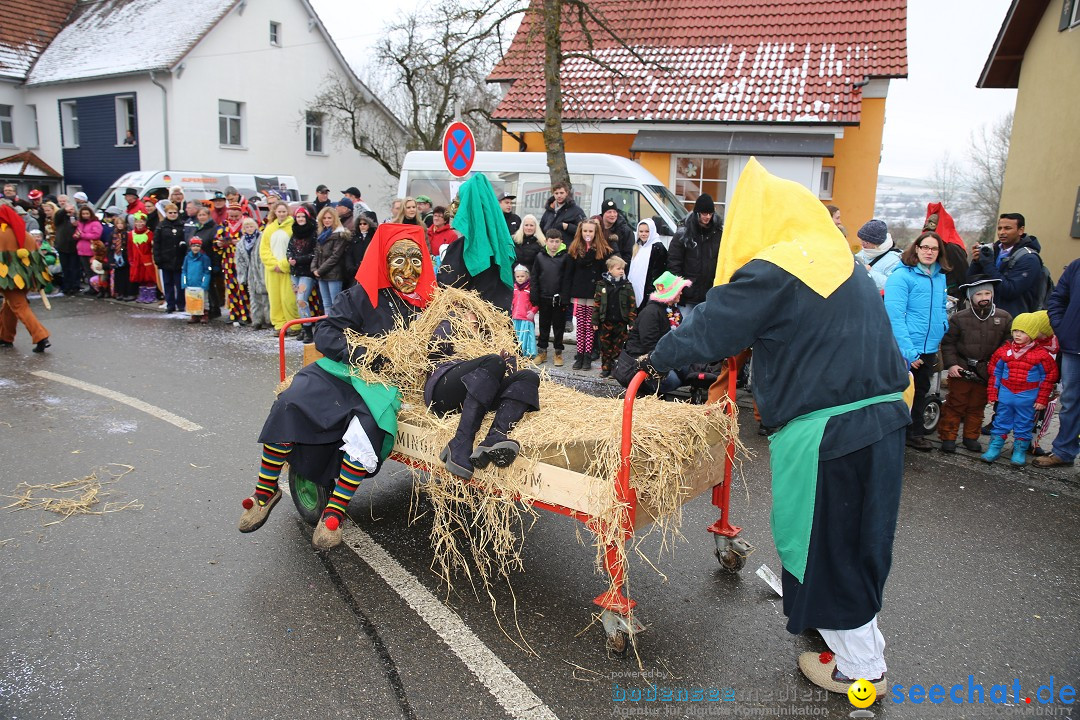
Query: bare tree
947	180
987	154
555	18
431	69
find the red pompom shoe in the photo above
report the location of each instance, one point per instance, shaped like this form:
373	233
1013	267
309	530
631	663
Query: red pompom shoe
327	533
255	514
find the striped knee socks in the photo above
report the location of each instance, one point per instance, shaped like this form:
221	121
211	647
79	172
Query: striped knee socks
274	456
348	480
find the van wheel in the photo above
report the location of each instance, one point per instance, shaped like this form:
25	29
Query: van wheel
932	413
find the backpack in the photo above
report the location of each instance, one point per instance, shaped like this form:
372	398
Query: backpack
1044	286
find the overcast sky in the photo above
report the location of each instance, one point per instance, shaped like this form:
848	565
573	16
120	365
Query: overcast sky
933	111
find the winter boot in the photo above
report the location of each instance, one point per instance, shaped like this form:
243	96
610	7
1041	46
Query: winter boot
518	397
973	445
541	357
305	334
579	359
994	451
1019	453
558	358
480	388
948	446
587	362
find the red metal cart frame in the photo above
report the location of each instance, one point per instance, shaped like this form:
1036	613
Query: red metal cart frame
616	607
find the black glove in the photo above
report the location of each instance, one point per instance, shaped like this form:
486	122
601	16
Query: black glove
645	363
510	360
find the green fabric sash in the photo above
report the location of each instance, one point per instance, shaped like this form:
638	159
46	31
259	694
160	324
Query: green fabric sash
480	219
383	401
794	463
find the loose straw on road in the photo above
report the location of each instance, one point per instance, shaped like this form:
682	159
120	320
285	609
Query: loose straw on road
74	497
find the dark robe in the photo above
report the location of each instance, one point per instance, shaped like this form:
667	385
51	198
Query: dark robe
315	410
488	284
812	353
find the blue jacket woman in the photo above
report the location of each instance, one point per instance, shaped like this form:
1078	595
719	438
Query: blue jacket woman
915	303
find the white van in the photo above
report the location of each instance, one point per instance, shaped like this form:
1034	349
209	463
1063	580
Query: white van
197	185
595	177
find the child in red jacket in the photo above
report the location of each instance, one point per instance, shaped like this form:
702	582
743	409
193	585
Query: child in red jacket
1022	374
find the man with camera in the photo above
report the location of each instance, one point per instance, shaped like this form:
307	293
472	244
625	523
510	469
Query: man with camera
1014	260
975	332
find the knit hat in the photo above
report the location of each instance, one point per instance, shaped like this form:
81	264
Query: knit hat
874	232
977	283
345	202
80	196
668	286
704	204
1045	329
195	241
1029	323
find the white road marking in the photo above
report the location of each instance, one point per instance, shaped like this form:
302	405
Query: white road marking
507	688
182	423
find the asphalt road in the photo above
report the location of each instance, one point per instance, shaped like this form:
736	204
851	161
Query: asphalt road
162	609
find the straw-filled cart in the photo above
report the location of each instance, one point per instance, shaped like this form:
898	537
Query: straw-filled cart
612	481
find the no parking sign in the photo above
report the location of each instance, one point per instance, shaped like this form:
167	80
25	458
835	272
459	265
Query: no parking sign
459	149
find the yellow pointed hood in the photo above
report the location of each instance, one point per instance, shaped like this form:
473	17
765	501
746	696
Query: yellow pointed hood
781	222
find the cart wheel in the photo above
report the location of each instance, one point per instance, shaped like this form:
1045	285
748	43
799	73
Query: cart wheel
731	560
618	642
308	497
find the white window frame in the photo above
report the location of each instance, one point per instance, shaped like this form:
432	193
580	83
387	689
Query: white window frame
69	124
1075	14
225	139
720	202
7	125
275	33
828	182
126	118
35	137
314	131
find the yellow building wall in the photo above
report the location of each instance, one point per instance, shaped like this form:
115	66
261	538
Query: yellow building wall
1042	173
855	158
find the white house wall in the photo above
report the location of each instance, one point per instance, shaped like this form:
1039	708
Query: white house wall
236	62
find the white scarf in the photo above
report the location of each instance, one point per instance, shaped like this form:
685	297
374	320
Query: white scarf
639	265
871	253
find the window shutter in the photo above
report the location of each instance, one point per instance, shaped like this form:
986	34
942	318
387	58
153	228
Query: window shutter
1066	14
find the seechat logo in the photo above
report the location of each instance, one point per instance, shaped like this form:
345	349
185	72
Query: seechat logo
975	693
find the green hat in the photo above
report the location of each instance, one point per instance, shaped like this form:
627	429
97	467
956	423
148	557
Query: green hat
668	286
423	198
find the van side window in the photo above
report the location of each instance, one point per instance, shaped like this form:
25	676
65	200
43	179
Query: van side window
632	204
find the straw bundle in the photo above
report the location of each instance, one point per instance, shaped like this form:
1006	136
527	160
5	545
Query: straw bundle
483	519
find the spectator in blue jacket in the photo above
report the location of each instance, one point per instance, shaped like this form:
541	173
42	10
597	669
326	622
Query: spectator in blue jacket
1063	306
1016	261
196	273
915	303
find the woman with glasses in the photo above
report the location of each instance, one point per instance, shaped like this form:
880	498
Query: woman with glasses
915	303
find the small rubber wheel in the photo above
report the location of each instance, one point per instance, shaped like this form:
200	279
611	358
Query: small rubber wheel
308	497
731	560
618	643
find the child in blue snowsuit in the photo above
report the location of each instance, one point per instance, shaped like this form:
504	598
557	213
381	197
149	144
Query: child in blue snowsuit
196	273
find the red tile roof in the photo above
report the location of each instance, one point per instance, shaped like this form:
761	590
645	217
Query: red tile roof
28	164
713	61
27	28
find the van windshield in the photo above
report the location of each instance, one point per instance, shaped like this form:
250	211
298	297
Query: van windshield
532	190
666	199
